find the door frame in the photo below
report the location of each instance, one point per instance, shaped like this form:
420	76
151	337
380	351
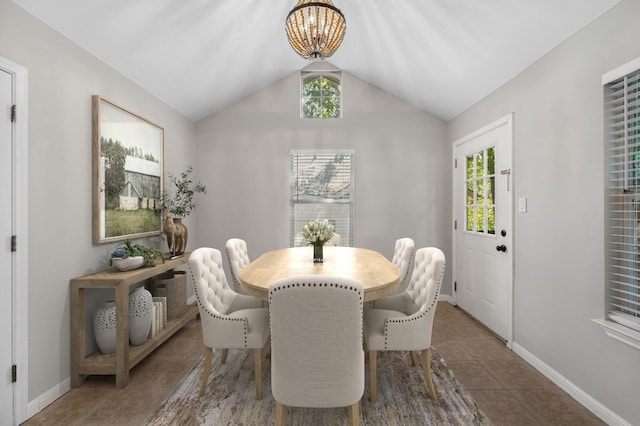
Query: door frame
506	120
19	219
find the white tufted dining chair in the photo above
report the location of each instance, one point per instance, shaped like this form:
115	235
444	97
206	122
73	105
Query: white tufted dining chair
403	256
317	358
229	320
408	326
238	258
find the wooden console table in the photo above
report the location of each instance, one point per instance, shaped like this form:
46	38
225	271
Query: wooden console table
125	357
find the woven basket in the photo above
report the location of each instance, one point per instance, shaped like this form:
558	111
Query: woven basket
173	286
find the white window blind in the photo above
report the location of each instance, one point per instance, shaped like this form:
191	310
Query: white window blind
622	129
321	187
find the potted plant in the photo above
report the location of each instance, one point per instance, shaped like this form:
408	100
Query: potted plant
127	256
178	206
181	204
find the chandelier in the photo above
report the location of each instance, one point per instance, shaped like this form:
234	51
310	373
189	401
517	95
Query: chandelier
315	29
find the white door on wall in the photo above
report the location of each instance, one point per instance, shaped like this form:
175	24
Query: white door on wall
483	226
6	284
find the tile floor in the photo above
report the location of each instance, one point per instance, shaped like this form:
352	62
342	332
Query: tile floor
507	389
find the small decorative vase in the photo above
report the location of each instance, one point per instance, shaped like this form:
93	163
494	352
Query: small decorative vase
317	254
104	327
140	303
177	235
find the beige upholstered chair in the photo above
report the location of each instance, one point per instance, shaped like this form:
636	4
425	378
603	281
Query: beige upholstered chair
403	260
238	258
408	326
229	320
317	358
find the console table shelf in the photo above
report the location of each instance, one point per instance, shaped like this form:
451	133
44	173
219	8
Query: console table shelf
126	356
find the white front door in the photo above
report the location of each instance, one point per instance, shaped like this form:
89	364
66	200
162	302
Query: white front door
6	284
483	226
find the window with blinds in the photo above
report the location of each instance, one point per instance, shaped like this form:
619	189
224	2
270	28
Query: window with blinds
321	187
622	130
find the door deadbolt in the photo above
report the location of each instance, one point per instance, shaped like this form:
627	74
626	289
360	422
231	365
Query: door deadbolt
502	248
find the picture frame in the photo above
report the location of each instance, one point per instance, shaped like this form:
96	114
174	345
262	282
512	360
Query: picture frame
127	173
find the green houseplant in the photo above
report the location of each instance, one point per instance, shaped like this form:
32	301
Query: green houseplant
180	205
129	249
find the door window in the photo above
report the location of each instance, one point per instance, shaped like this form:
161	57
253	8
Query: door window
480	187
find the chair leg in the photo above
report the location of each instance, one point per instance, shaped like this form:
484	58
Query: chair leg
208	352
281	414
354	414
372	375
258	368
426	368
415	359
223	356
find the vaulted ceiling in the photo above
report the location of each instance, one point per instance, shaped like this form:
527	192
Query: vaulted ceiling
200	56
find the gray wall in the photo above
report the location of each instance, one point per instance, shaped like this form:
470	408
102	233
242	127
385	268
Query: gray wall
62	78
402	186
403	181
559	167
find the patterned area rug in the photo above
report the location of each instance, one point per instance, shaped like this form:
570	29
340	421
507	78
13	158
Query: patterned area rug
402	397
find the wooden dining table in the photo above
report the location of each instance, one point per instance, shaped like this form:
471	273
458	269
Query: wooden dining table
377	274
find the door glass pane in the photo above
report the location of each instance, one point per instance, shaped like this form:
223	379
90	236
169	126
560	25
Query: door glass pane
480	186
469	226
490	190
480	164
491	160
491	218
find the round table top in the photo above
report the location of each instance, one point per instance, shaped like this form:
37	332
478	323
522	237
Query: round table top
376	273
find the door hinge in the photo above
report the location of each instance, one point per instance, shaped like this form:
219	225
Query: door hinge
455	163
455	286
13	113
14	243
455	225
14	373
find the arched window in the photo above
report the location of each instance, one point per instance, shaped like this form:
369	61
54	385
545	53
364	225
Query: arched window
321	94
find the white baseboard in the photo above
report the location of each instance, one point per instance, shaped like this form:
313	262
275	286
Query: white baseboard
605	414
444	298
38	404
42	401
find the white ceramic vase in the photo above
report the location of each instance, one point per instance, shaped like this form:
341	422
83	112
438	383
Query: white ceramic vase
140	303
128	264
104	327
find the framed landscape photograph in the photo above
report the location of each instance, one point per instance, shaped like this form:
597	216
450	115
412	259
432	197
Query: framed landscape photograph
128	170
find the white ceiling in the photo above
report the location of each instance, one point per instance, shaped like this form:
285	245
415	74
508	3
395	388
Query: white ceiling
200	56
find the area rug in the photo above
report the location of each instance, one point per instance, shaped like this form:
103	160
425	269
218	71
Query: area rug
402	397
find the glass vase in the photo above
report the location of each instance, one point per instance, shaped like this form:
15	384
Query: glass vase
318	256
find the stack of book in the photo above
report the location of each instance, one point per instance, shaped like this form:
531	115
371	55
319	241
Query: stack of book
158	315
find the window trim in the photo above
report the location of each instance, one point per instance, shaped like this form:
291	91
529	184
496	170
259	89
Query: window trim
616	330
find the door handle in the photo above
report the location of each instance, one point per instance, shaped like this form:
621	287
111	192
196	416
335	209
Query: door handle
502	248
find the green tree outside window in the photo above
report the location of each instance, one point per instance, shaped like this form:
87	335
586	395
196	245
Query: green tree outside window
321	97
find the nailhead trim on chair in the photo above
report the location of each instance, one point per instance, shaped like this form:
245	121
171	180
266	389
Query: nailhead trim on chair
414	317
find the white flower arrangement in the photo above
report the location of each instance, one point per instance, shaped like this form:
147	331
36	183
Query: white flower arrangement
317	232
